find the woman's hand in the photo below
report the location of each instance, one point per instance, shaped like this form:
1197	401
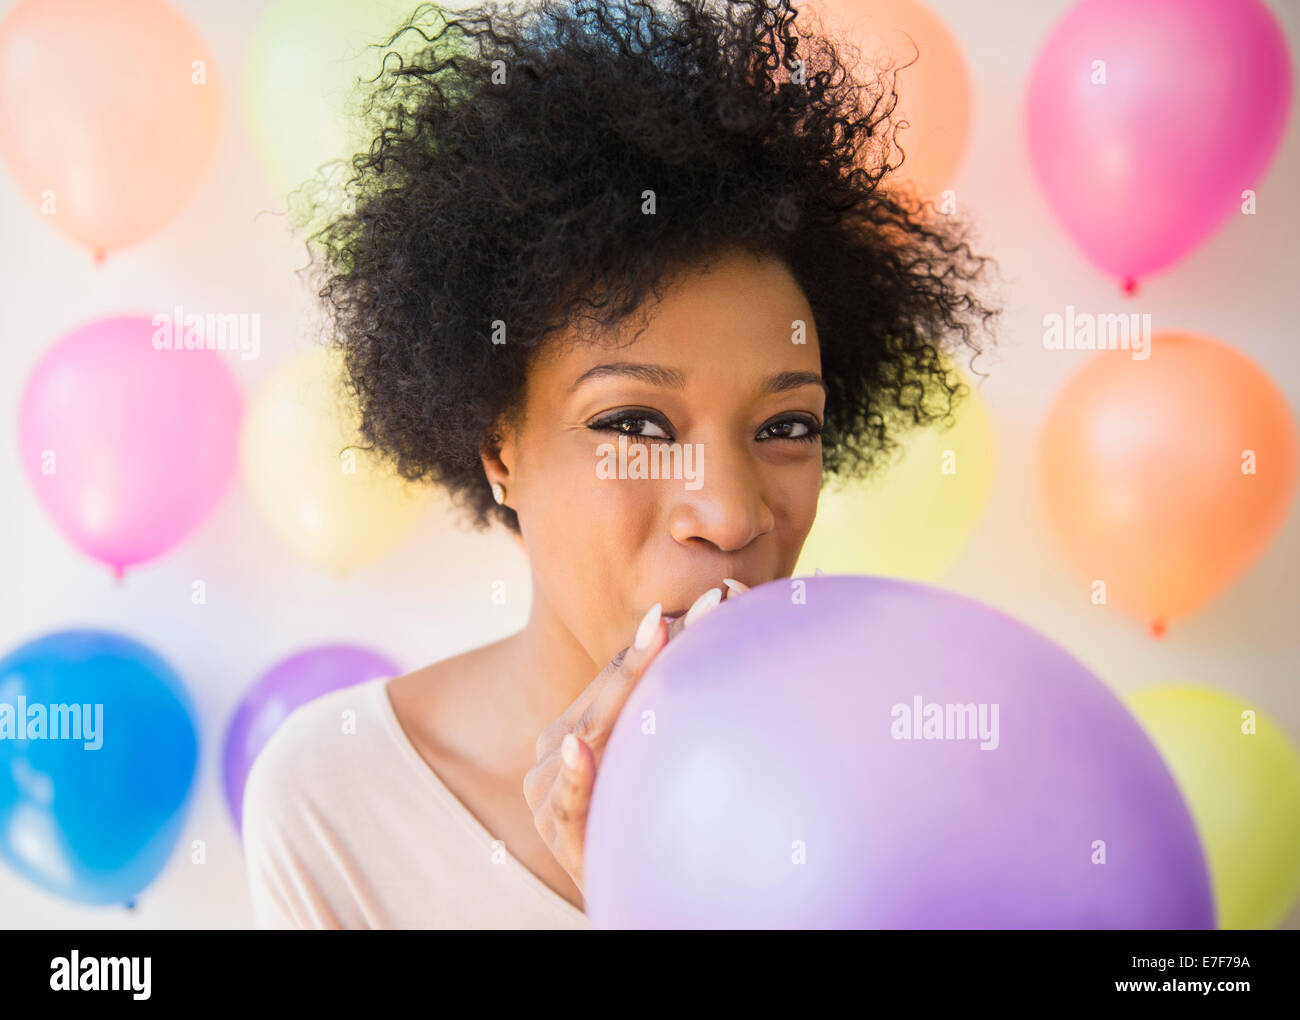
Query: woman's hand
558	788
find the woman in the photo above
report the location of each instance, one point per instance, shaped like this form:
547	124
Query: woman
586	233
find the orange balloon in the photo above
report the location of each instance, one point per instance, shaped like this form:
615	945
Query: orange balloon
109	114
934	93
1168	477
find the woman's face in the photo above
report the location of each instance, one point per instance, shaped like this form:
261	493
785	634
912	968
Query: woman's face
720	394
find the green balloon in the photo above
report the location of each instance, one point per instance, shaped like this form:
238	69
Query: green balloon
303	84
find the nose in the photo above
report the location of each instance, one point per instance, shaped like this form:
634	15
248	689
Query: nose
728	509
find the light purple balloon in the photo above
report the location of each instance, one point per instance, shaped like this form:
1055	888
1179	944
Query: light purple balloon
774	793
1144	167
128	447
295	681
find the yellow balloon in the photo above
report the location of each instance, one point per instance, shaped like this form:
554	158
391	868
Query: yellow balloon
330	501
304	78
1240	776
914	517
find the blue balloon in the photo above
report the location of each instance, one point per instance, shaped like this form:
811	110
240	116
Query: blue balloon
98	749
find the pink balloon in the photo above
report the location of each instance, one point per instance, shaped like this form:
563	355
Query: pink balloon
1143	167
127	446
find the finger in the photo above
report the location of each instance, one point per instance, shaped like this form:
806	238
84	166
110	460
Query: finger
569	804
704	604
677	626
652	634
539	779
597	720
548	741
592	714
734	587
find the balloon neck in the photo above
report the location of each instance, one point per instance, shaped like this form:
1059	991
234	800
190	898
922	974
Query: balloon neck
1130	285
100	255
1158	628
119	572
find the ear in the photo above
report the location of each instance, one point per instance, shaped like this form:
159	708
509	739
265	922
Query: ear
497	452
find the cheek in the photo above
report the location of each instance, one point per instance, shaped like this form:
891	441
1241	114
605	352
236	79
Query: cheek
794	503
586	517
585	537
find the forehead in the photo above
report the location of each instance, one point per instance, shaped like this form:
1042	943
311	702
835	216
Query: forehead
740	315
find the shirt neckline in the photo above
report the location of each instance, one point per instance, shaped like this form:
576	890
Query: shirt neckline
540	890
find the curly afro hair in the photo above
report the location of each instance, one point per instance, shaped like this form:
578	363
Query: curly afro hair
512	152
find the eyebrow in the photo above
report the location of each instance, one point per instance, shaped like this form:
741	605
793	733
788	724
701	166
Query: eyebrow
658	375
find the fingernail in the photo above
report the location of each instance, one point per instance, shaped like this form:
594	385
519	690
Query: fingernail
569	750
702	605
646	631
734	587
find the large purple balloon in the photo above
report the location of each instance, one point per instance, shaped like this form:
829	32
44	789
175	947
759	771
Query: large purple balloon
293	682
767	772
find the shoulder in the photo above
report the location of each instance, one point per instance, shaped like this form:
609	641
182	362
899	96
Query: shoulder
320	739
311	778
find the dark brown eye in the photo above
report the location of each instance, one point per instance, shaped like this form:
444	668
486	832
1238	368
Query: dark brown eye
803	430
634	426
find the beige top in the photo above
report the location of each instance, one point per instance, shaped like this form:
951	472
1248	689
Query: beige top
346	826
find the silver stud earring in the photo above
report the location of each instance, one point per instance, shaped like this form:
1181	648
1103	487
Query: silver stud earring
498	493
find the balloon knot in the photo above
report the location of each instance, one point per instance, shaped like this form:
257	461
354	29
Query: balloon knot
118	572
99	256
1130	285
1158	628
